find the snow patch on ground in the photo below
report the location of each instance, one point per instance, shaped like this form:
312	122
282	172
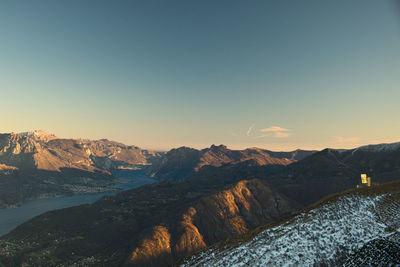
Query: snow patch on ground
314	237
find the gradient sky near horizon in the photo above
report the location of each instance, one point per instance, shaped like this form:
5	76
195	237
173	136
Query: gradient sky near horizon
160	74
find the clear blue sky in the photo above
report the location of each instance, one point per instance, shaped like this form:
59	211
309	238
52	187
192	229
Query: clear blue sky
160	74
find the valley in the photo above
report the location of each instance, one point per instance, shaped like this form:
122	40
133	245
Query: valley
12	217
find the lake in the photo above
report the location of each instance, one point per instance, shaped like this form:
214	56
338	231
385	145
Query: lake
11	218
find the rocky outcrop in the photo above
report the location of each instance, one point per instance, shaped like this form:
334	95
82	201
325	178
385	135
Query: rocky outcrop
154	250
190	239
4	167
245	206
212	218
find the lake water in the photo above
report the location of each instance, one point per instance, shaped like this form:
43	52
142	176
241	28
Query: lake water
11	218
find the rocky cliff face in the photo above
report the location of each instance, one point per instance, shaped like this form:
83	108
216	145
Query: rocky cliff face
30	154
154	250
242	207
40	150
181	163
113	155
43	164
17	150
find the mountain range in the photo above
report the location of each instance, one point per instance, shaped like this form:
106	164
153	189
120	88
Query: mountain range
181	163
204	197
36	164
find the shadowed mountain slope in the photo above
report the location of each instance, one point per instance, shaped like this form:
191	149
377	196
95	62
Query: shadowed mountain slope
179	164
150	226
330	171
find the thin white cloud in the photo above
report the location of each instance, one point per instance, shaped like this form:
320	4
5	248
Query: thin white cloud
274	131
248	133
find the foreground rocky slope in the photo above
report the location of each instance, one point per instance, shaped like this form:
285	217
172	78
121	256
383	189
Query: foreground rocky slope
37	164
358	228
179	164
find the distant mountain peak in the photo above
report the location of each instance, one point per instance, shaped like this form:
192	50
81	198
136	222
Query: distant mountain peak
380	147
39	135
220	147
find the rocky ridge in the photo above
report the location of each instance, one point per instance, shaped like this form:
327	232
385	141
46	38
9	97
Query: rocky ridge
179	164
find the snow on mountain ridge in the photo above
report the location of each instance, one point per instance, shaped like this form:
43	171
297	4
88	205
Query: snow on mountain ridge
380	147
311	238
